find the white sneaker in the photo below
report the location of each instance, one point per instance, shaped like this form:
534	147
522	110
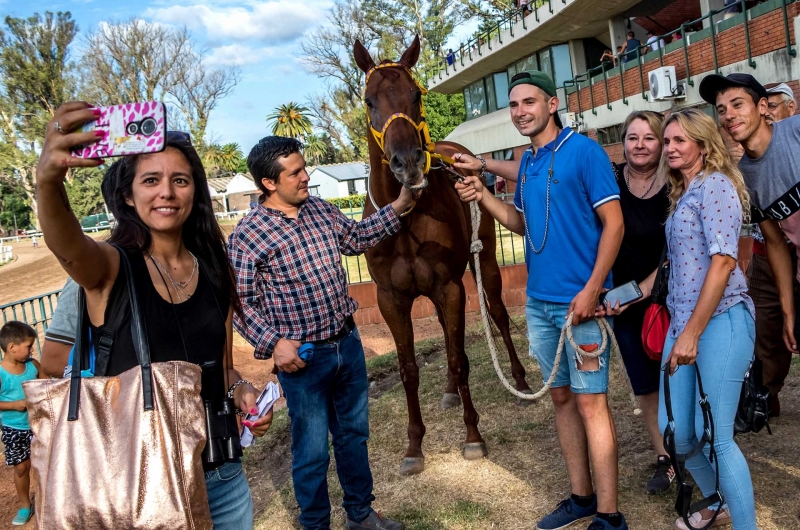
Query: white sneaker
697	520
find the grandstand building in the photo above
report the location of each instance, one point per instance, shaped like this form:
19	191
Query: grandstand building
566	39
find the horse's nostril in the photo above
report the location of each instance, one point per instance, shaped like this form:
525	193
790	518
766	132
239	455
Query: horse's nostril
420	156
395	164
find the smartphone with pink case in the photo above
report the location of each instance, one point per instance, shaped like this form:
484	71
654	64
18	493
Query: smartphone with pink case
131	129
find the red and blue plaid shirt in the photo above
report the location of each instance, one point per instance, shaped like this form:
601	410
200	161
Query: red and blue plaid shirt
289	272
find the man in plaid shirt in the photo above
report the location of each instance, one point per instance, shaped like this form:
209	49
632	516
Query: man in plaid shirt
287	256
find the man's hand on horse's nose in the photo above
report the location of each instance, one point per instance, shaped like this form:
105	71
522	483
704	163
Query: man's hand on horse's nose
285	356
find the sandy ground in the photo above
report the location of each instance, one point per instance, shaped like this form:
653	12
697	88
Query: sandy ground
36	271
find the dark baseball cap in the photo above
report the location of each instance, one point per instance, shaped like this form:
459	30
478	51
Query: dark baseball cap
713	84
537	79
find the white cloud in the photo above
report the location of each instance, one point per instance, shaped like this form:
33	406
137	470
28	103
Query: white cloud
238	55
277	21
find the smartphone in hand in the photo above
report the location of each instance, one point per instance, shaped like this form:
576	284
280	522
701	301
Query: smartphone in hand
625	294
131	129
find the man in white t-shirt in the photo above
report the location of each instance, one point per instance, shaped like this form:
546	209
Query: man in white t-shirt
654	42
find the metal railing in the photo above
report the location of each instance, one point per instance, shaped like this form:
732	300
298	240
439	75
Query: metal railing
36	312
711	33
477	43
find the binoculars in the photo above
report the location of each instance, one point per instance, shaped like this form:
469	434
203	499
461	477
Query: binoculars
222	432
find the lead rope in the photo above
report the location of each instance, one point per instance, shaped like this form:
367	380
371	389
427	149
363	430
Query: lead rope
475	247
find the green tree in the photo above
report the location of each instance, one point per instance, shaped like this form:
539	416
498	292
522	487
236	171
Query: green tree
35	78
290	120
231	157
213	159
315	148
14	208
84	191
444	112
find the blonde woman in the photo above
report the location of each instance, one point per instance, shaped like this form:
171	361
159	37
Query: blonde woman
712	327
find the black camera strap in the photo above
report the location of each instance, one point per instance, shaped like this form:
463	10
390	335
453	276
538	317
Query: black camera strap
683	504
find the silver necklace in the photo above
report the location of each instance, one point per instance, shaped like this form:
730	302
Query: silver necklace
180	287
547	203
628	182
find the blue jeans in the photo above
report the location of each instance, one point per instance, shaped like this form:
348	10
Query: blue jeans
545	320
330	395
229	498
724	354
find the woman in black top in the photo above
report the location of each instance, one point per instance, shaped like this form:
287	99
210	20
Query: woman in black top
166	226
644	198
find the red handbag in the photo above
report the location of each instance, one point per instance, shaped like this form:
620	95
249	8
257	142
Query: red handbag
656	318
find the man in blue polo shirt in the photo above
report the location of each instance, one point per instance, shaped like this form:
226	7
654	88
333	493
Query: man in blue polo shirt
567	208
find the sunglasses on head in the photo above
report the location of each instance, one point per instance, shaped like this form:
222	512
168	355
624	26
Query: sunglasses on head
178	136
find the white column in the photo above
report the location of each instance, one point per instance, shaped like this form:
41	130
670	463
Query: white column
706	6
617	30
577	54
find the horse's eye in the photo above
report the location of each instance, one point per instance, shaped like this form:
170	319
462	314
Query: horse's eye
418	97
368	102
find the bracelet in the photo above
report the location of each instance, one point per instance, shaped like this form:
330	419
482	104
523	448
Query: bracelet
482	173
233	388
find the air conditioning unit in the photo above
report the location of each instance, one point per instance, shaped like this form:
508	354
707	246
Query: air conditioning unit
664	85
570	120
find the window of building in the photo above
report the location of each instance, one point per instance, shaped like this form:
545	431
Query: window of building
505	154
555	61
562	65
545	64
491	96
351	187
501	89
313	190
608	135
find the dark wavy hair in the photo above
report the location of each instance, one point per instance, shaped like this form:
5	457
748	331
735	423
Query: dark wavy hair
201	232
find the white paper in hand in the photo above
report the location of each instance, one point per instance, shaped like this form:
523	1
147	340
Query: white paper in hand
265	401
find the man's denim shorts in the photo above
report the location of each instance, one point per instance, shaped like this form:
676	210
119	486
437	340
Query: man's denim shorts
545	320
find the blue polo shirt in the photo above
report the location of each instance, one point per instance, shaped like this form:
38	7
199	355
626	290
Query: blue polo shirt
582	181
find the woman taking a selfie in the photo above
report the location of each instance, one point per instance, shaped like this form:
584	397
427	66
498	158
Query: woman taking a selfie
185	290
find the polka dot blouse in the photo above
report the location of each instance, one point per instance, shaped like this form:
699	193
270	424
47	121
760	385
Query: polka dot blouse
706	221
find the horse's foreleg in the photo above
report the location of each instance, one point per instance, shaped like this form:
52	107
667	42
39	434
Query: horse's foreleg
451	298
451	398
396	312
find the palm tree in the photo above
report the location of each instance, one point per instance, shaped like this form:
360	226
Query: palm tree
315	148
290	120
213	159
231	157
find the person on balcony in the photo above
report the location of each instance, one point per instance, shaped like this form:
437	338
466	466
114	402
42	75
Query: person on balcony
771	165
567	208
630	50
653	42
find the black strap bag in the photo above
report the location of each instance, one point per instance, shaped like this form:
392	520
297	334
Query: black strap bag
753	413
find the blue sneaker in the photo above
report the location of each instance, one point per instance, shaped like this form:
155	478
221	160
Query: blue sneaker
23	516
602	524
566	514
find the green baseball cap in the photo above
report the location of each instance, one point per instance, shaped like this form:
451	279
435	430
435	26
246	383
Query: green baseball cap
537	79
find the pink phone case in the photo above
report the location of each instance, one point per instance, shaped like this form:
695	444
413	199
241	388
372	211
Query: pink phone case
133	128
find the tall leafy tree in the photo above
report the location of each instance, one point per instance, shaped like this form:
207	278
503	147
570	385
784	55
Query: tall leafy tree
231	157
290	120
315	148
35	78
15	212
84	192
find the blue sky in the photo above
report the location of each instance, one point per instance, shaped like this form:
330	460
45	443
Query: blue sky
261	37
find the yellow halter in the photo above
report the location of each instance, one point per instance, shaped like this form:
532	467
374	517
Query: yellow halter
423	132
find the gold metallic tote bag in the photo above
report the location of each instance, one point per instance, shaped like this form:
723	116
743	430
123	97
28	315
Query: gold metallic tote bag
119	452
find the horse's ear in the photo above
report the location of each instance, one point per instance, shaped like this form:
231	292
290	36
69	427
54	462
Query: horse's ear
362	56
411	55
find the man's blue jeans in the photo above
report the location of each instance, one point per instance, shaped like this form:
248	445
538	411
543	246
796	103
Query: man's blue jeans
330	395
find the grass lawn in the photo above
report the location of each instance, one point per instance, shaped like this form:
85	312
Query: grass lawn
523	477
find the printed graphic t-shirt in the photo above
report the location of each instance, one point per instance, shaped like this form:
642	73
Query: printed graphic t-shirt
582	181
774	180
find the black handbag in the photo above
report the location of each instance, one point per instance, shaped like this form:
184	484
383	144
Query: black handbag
753	412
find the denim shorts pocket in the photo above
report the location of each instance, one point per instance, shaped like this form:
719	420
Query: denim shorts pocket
229	471
356	335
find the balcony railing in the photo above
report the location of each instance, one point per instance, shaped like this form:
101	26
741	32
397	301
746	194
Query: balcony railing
36	312
679	54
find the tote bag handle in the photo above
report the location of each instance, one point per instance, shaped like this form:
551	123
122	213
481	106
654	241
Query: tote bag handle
80	360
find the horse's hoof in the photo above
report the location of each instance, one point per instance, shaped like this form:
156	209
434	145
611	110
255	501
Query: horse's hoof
526	402
474	451
412	466
450	401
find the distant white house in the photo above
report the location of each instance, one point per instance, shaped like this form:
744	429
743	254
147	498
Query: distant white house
233	193
338	180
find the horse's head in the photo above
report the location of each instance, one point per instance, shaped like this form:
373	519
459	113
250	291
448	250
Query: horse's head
394	98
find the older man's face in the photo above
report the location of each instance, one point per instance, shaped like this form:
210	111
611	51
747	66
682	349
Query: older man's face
778	109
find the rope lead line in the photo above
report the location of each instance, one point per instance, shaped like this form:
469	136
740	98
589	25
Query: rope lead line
476	246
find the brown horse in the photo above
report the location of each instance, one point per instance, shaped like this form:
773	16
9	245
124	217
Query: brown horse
430	253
